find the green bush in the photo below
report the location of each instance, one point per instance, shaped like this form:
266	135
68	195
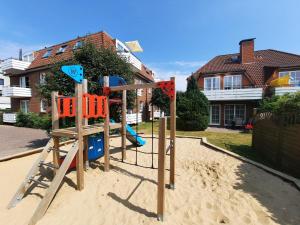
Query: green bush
33	120
192	109
288	103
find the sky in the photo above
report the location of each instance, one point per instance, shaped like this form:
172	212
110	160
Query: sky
178	36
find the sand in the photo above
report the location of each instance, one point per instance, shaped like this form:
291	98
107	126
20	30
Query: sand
211	188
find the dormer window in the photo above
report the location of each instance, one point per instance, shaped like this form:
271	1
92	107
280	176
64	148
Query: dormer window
61	49
47	53
78	45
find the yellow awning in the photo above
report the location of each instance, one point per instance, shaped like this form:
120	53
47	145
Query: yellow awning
281	81
134	46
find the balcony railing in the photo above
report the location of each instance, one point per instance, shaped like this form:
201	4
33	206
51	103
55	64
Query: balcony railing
16	92
284	90
234	94
133	60
14	65
9	117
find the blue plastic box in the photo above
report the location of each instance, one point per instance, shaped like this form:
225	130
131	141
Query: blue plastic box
95	146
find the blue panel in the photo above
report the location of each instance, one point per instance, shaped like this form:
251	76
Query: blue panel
114	80
95	146
133	137
74	71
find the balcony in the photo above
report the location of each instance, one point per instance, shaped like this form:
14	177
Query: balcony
16	92
9	117
234	94
130	58
284	90
14	66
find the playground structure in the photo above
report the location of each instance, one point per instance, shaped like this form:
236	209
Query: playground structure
84	106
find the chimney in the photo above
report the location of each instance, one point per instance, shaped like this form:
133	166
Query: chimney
20	54
247	50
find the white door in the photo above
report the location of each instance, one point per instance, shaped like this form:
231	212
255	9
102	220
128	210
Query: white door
24	106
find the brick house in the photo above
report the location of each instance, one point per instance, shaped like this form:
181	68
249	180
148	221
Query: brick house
235	83
24	76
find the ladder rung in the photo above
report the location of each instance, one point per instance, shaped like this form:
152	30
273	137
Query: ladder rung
49	165
39	182
59	150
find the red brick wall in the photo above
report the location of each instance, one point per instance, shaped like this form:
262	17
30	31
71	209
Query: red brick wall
247	51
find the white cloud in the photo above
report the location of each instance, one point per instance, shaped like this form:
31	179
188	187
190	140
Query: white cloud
189	63
180	77
11	49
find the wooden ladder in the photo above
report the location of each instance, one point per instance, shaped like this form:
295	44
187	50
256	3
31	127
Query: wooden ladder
54	185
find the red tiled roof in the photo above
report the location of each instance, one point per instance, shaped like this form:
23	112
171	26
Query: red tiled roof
98	39
255	70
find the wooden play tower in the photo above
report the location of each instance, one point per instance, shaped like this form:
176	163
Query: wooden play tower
83	106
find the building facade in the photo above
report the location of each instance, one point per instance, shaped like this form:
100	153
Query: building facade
235	83
4	81
26	75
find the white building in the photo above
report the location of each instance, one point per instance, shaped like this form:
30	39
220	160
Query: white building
4	81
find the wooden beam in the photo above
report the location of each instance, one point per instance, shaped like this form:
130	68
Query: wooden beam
106	128
172	138
161	169
124	107
133	87
85	122
78	120
55	125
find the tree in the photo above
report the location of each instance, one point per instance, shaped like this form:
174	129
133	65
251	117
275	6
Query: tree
280	105
97	62
161	100
192	108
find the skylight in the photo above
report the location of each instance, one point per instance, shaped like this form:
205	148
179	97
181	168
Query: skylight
47	53
61	49
78	45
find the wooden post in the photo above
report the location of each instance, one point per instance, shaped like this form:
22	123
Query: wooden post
161	169
85	122
124	111
55	125
106	129
78	120
172	138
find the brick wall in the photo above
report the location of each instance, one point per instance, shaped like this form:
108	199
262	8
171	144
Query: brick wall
247	51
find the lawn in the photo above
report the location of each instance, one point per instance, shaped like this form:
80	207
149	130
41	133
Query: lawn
237	142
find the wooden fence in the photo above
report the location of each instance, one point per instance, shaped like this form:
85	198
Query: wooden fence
277	139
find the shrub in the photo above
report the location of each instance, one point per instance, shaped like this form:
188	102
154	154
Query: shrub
33	120
279	105
192	109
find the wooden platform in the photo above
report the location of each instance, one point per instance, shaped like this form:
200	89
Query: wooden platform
87	130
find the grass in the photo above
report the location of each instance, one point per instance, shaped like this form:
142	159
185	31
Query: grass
237	142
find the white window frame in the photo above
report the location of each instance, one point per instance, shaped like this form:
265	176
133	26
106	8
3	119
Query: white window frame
22	81
41	106
231	78
211	83
234	111
27	106
284	73
42	77
210	114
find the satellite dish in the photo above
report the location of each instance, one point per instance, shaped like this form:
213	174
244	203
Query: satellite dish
134	46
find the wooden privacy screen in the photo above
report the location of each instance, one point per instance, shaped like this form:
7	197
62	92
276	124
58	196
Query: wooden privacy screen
92	106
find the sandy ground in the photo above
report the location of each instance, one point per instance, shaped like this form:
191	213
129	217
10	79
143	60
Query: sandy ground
211	188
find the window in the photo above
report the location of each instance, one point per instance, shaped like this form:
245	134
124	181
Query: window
28	57
215	114
211	83
24	106
62	49
47	53
294	77
232	82
24	82
42	78
141	106
44	105
1	81
139	91
78	45
235	113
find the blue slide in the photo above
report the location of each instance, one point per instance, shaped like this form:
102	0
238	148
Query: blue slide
133	137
